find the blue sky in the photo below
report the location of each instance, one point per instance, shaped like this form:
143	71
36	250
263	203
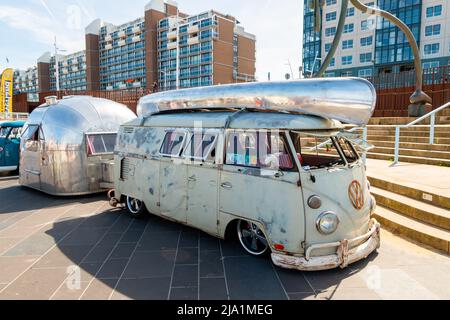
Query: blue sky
28	27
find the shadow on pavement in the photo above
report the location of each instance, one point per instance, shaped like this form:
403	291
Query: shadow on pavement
154	259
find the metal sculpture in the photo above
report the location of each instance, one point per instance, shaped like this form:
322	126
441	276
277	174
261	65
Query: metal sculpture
419	99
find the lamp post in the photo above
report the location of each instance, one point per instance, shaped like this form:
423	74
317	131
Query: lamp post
418	99
57	65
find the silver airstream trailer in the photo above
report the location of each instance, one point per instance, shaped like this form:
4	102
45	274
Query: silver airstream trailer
67	145
268	163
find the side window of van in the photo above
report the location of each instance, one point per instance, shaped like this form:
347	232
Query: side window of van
202	146
267	150
173	144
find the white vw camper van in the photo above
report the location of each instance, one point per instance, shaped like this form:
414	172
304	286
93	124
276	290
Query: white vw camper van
268	163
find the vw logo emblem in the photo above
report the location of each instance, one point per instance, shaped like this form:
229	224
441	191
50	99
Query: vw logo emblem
356	195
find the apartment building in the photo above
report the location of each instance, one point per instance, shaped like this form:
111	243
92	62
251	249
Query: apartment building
202	50
165	47
26	81
71	70
372	45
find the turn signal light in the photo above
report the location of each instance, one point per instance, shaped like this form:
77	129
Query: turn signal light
279	247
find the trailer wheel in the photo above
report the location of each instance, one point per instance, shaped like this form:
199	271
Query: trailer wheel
252	238
135	207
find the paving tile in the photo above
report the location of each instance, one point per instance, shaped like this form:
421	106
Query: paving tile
151	241
184	294
189	239
8	243
143	289
19	232
209	243
139	224
131	236
150	265
232	249
251	278
293	281
99	254
213	289
88	270
324	280
159	225
112	269
99	289
185	276
11	267
187	256
123	251
84	236
63	256
102	220
302	296
35	285
111	238
211	264
70	293
35	245
354	294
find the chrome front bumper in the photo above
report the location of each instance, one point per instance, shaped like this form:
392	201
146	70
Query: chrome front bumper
343	257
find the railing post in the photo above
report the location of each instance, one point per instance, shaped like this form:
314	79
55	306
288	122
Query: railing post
397	144
365	139
432	125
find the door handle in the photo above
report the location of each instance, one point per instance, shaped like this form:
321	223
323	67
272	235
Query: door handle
192	179
227	185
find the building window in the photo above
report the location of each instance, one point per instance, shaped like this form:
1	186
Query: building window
348	28
346	74
347	60
329	32
367	41
367	24
333	62
431	64
331	2
365	57
430	49
365	73
331	16
434	11
347	44
433	30
329	74
327	47
350	12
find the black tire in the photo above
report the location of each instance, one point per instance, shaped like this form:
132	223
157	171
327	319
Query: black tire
135	208
252	238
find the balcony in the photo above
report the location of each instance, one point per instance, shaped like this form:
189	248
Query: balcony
193	29
136	39
136	30
172	45
121	43
172	35
194	40
121	34
108	38
108	47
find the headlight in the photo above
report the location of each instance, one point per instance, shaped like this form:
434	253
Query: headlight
327	223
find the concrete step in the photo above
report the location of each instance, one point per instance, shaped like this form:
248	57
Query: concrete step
406	133
411	145
410	191
412	208
391	121
412	229
407	139
422	128
414	152
411	159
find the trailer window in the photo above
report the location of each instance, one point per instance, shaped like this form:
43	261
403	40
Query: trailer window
202	147
173	144
260	149
102	143
32	133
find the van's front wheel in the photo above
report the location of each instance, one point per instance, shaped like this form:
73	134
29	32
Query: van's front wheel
135	207
252	238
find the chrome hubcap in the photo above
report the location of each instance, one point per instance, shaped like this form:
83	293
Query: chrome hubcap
252	238
134	205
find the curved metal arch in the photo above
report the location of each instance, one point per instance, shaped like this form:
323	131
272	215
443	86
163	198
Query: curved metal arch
418	97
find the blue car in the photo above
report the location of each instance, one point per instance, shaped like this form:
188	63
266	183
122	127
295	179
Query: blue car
10	145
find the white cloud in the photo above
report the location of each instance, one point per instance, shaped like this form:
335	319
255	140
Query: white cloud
42	27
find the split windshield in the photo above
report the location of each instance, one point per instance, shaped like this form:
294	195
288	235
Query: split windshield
323	151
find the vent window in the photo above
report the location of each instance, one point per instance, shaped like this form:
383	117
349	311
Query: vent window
125	169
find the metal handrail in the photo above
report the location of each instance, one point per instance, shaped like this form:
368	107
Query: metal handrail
431	115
